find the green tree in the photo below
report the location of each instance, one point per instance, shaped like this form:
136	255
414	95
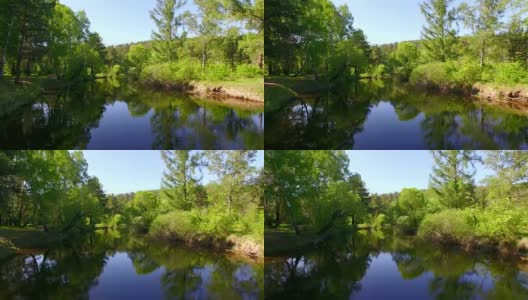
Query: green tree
139	56
439	36
181	178
234	169
485	19
168	22
412	203
452	177
511	175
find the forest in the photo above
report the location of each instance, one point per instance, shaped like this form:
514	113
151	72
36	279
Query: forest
47	197
46	45
312	194
474	45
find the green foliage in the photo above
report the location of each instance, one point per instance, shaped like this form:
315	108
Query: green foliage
248	71
218	72
176	225
510	73
431	74
449	226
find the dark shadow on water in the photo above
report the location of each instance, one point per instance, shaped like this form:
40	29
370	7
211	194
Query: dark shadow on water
390	115
101	116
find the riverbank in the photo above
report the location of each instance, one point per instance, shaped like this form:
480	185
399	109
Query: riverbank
515	95
247	89
25	240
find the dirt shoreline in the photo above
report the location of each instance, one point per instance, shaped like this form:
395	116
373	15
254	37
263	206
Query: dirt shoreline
215	91
233	244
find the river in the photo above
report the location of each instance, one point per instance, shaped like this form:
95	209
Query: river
378	266
111	266
379	115
112	116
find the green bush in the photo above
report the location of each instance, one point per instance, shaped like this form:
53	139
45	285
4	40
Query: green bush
160	73
380	71
510	73
465	72
431	74
187	70
177	225
248	71
500	222
218	72
449	226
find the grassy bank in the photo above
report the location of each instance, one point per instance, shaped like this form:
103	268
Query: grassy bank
501	229
212	230
507	82
215	83
23	240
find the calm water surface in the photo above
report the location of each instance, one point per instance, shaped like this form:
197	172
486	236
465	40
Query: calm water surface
387	115
101	117
105	267
368	266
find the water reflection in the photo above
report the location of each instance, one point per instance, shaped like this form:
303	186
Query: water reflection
105	117
107	267
370	266
385	115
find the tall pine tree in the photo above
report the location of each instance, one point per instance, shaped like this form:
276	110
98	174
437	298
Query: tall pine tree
452	177
438	34
168	22
181	178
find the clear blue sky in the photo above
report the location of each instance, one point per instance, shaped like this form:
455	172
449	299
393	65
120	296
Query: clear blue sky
131	171
390	171
387	21
119	21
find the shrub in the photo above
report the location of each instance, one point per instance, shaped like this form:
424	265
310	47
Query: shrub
160	73
380	71
186	70
218	72
449	227
177	225
248	71
465	72
510	73
431	74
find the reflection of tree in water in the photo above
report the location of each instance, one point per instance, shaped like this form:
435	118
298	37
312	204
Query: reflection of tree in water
333	271
332	120
458	275
60	121
66	273
327	121
184	123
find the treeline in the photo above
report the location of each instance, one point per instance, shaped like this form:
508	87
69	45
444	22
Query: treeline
186	209
454	210
315	190
51	190
221	40
317	38
494	51
313	37
45	37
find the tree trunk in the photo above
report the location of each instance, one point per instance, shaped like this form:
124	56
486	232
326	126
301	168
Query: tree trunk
21	45
3	58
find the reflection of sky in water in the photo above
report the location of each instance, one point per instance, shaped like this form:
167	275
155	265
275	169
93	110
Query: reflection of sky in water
384	130
384	277
201	129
